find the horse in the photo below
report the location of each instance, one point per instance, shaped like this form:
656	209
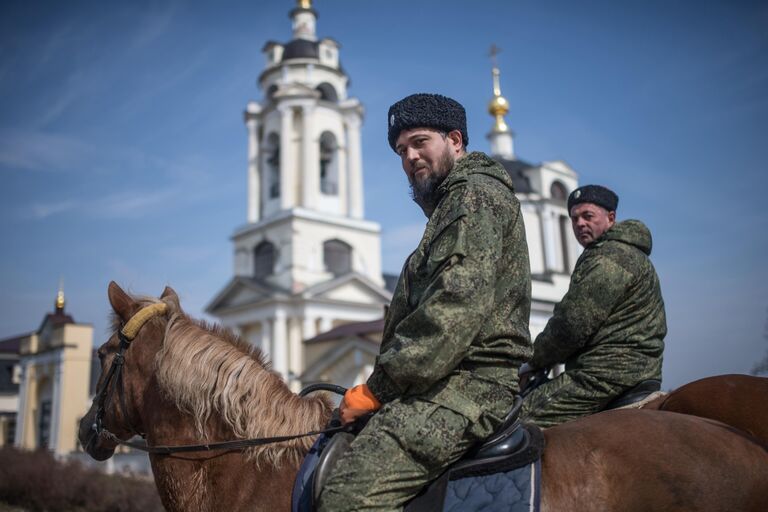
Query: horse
181	381
737	400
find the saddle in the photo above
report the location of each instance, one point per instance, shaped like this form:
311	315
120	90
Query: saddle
514	445
635	394
630	397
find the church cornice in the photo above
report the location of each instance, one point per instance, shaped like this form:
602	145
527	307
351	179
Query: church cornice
299	62
271	295
316	291
365	226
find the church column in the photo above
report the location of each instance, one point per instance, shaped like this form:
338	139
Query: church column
53	438
296	354
308	328
325	324
254	197
307	331
287	192
549	239
354	169
21	413
310	159
266	338
280	344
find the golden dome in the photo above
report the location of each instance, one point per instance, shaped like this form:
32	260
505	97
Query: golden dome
498	106
305	4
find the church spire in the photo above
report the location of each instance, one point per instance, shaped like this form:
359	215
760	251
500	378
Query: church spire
500	136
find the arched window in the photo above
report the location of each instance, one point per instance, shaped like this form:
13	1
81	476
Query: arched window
271	90
328	92
329	164
272	165
264	259
558	191
337	256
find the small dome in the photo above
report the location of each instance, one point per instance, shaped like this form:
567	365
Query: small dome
300	49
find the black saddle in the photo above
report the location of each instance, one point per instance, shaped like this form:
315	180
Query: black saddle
629	397
635	394
512	446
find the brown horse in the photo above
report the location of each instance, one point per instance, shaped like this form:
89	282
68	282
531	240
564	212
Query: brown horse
184	383
738	400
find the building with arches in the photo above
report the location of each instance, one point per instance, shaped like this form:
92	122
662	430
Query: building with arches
51	381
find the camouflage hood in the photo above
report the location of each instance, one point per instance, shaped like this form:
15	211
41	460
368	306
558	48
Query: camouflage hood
632	232
476	162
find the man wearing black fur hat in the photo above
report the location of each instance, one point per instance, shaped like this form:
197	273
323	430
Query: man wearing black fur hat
609	327
457	327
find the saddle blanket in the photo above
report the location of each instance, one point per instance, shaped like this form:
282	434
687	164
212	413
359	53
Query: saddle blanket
495	487
517	490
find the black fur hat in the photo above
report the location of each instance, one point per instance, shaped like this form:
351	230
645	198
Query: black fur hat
426	111
595	194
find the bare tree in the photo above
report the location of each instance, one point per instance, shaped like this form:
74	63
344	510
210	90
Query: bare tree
761	367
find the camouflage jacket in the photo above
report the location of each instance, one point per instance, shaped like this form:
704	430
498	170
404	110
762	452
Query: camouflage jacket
457	328
611	323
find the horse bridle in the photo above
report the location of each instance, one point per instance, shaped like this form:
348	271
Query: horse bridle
126	335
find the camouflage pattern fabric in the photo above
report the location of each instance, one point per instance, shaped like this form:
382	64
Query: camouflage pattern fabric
608	330
455	334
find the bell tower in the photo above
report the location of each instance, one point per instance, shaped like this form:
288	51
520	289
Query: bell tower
304	233
304	159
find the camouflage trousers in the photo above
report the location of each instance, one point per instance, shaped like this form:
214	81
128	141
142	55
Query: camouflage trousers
405	445
568	396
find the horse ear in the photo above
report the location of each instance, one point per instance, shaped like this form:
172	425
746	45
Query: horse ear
170	294
121	302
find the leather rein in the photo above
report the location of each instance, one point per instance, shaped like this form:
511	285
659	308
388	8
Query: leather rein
115	375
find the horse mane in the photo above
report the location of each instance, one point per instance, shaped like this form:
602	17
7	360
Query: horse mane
209	372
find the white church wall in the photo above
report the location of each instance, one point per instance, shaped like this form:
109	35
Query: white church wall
307	72
540	314
327	119
533	237
310	233
550	291
271	125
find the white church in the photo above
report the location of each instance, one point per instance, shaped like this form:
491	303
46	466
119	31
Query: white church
307	286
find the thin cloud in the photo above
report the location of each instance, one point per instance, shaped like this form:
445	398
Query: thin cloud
156	23
121	205
40	151
41	211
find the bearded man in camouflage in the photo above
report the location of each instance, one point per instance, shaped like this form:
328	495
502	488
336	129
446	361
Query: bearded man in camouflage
609	327
457	328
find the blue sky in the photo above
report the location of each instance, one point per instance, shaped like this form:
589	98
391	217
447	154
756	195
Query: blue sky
123	152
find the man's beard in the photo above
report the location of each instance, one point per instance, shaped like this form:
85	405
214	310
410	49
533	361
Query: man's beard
424	191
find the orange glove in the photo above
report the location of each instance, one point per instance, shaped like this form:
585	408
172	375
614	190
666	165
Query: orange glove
357	401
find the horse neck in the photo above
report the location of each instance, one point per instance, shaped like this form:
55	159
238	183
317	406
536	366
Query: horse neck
240	393
262	403
208	481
